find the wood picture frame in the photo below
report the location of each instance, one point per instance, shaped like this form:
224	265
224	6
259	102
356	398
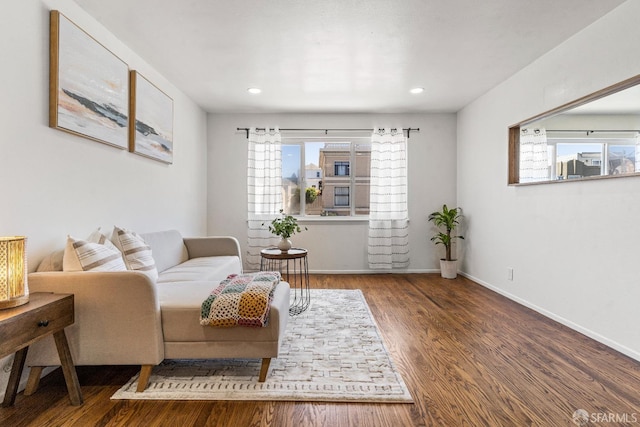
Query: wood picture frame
88	85
150	120
624	105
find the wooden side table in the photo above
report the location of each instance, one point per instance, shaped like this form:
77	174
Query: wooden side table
44	314
295	270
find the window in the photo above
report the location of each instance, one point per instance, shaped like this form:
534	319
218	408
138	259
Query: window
341	169
325	178
586	158
341	196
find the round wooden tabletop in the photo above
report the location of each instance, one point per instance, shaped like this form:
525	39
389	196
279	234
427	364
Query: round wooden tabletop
275	253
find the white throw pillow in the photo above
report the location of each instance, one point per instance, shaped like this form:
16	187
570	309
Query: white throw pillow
137	254
96	253
97	237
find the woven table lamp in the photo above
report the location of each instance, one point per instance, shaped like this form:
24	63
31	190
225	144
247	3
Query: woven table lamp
14	290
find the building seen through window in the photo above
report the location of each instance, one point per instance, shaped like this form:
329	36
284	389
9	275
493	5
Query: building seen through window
571	160
334	181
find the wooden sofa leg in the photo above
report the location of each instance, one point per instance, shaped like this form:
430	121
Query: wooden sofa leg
143	380
264	369
34	380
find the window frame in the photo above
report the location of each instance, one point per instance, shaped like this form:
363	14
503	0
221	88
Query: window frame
336	195
350	180
601	145
339	166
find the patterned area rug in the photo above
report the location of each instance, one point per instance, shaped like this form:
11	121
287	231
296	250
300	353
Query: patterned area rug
331	352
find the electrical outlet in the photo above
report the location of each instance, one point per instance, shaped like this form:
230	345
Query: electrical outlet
510	274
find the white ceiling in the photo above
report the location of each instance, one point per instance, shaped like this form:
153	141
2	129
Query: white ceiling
341	55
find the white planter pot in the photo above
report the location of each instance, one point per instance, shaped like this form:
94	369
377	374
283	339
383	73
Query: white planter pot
448	269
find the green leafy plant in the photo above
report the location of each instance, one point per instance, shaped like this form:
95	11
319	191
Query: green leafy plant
448	220
311	194
285	226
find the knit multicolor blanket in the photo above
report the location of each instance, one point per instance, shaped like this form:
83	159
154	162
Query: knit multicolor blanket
240	300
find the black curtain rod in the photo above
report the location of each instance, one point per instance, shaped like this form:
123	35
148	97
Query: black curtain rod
589	131
326	131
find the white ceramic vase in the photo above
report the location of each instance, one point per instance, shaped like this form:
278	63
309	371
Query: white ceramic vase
284	245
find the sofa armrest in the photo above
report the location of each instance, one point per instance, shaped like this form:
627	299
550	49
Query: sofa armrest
280	309
198	247
117	318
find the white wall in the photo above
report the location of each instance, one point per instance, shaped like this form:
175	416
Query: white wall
572	245
337	247
53	183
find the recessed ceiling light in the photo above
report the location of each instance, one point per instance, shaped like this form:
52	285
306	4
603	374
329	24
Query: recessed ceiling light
254	90
416	90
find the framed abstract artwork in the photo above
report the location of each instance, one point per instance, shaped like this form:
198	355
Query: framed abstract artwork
88	87
151	120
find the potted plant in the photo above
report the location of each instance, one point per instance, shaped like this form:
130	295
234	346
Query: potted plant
447	219
311	194
285	226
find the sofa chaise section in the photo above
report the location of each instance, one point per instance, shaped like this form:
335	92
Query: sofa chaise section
127	318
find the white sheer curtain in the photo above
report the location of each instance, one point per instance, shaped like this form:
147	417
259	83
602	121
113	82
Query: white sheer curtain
534	163
264	190
388	216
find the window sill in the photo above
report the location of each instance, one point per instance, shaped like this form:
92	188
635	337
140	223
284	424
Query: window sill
583	179
332	219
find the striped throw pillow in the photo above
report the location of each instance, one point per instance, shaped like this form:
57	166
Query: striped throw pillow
137	254
96	253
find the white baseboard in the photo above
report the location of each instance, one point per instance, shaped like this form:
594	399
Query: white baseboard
591	334
408	271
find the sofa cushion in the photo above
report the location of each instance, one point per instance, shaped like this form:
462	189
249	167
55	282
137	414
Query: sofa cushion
94	254
168	248
137	254
51	262
55	260
180	305
205	268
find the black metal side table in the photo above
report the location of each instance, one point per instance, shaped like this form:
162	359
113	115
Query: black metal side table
294	268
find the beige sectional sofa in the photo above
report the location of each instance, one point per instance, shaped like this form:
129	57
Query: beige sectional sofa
127	318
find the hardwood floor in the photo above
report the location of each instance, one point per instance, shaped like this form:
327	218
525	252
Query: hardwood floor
468	356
